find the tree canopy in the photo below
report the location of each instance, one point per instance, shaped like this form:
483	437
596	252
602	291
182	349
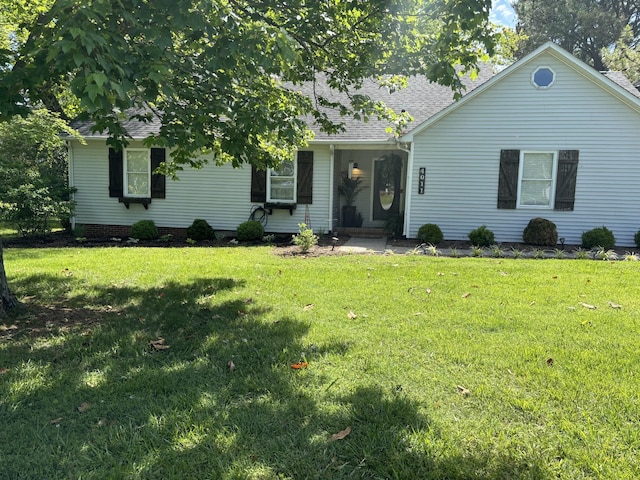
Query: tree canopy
222	74
590	29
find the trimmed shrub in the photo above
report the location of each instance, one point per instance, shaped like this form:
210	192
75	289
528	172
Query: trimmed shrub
430	233
200	230
250	231
481	236
598	237
144	230
540	231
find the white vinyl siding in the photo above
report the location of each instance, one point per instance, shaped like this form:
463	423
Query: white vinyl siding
537	179
218	194
461	155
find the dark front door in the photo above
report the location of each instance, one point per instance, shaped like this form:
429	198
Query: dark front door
387	187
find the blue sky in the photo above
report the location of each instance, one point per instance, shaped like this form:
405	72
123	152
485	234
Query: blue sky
502	13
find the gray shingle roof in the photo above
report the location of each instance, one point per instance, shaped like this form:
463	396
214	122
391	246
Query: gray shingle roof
421	99
135	128
623	81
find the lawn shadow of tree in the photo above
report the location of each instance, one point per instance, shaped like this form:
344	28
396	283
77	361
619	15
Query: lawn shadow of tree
216	399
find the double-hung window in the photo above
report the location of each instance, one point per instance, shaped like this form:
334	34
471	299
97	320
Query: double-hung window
131	174
281	183
290	184
137	172
537	179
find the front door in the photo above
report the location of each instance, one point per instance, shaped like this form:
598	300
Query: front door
387	183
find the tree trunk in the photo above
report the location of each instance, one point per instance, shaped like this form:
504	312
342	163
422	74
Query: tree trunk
7	299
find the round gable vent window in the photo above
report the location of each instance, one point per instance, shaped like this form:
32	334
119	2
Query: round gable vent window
543	77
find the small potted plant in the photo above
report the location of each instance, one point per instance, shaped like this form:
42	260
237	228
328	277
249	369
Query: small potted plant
349	189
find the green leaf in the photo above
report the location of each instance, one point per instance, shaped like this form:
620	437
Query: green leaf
99	78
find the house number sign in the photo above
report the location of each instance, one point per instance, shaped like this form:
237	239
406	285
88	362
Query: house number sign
421	179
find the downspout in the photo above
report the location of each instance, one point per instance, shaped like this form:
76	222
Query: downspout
331	189
71	181
407	187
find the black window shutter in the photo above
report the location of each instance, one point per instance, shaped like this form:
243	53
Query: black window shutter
258	185
508	179
566	181
115	173
158	181
305	177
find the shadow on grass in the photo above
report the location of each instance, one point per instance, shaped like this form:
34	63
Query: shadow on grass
168	383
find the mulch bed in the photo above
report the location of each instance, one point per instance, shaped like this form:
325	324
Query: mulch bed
282	243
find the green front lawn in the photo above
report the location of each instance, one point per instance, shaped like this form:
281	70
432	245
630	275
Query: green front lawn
176	363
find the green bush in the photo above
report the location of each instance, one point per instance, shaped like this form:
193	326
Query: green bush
30	209
598	237
250	231
144	230
200	230
481	237
430	233
540	231
305	239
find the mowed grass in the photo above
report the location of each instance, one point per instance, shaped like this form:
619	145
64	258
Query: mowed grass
427	367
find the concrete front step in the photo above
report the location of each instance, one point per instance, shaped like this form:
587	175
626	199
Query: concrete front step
363	232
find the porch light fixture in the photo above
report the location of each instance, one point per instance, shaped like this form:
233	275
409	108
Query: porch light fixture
355	166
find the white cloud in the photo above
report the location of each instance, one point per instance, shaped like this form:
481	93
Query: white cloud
502	13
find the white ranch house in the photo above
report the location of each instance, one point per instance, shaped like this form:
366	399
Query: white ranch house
546	137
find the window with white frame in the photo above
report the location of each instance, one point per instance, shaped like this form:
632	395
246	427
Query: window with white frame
137	172
537	179
281	183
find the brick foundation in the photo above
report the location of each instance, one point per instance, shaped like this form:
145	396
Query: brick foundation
124	231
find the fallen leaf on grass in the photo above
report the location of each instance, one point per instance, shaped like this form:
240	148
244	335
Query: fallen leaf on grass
465	392
299	365
84	406
614	305
550	362
341	434
55	421
466	295
159	344
586	305
428	290
3	371
351	315
307	307
231	365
